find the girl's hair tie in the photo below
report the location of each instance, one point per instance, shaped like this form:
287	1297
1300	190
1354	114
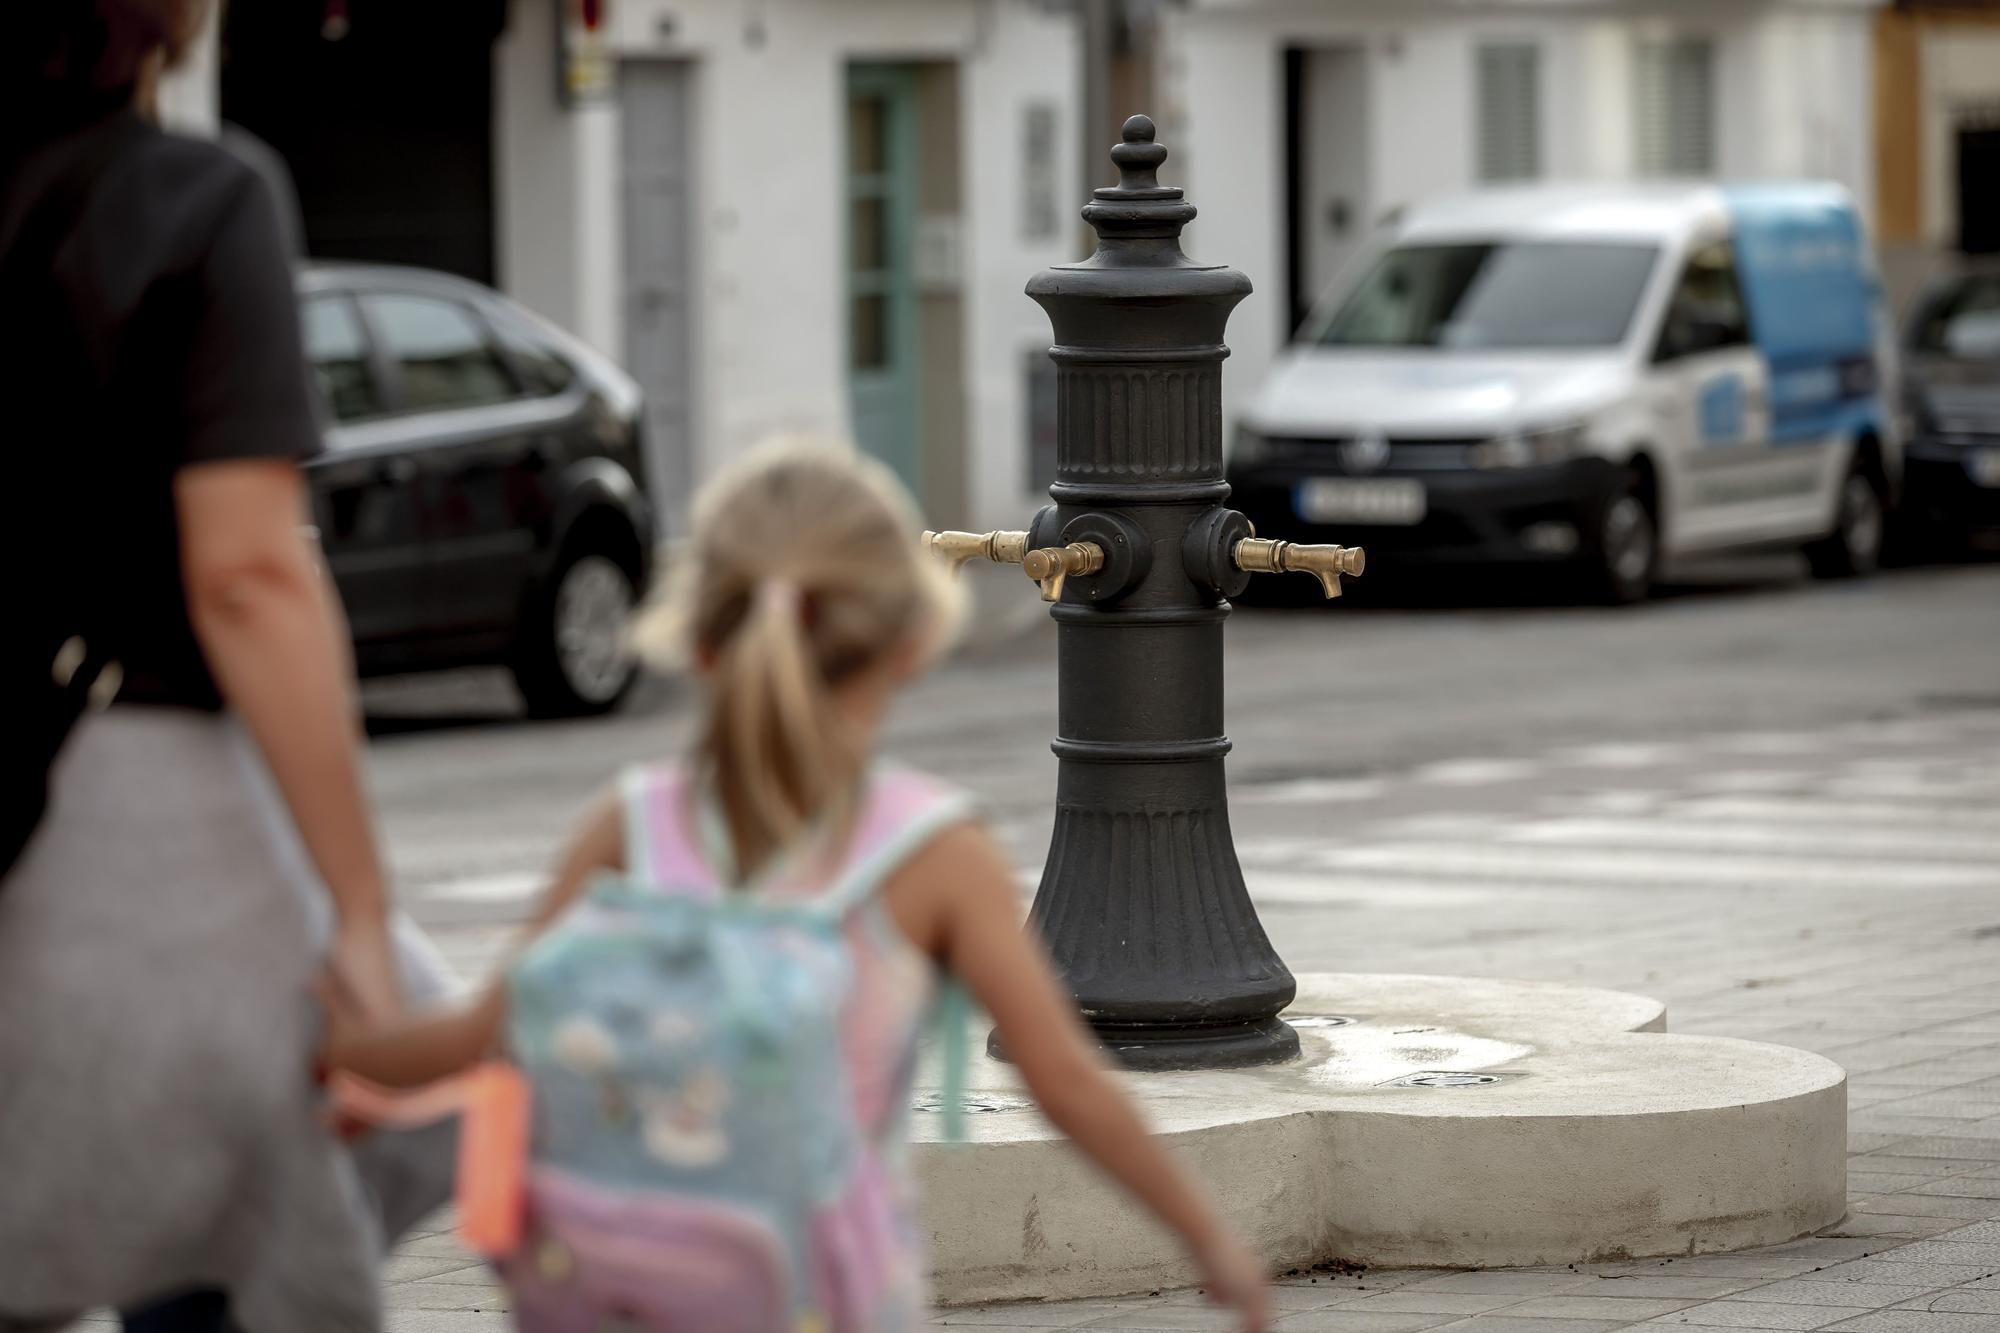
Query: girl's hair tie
778	593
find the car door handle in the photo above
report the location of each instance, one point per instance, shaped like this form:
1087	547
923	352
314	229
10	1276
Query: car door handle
396	471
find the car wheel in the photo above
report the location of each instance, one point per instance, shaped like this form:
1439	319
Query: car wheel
1854	547
1624	552
573	659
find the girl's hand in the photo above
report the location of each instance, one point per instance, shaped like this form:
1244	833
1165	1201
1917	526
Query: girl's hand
1235	1280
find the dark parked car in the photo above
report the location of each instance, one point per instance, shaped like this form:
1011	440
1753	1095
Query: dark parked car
1952	387
482	497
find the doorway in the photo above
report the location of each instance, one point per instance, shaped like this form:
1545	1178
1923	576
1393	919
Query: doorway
1979	188
384	114
883	343
656	106
1328	206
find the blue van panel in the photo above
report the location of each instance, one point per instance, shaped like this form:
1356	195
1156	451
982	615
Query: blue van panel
1811	295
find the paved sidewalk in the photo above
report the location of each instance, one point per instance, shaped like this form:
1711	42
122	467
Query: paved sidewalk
1837	890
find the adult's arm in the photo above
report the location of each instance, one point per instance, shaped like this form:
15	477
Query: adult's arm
277	645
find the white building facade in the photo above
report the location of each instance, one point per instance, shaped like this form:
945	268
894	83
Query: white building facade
805	215
818	215
1300	124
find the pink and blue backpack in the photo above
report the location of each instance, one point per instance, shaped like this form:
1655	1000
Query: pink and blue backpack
696	1160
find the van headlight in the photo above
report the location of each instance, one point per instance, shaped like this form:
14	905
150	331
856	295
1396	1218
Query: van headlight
1532	448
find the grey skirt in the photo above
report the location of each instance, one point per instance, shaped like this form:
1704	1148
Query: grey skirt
159	1124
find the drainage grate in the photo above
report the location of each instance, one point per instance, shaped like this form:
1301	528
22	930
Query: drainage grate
1308	1021
1443	1079
932	1103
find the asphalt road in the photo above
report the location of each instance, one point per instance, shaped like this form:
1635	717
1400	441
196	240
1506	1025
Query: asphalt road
1468	671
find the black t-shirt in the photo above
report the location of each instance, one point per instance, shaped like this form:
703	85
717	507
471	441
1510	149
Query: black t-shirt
178	286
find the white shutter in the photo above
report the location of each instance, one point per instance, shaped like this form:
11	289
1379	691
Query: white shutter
1510	129
1673	82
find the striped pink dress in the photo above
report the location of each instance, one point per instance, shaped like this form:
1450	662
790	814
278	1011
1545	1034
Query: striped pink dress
895	985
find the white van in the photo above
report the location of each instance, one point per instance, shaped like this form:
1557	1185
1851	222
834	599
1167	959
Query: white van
1600	376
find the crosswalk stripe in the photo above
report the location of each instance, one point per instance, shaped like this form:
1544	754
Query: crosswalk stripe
1920	844
1814	810
509	887
1503	861
1309	791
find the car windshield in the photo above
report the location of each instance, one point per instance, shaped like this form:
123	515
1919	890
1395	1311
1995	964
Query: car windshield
1963	321
1522	295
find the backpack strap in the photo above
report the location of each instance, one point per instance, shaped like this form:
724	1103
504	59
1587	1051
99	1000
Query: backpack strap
658	850
951	1018
903	813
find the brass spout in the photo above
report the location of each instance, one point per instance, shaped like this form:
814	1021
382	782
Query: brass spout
1050	566
961	548
1259	555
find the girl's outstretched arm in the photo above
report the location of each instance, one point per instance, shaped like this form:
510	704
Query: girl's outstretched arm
974	928
416	1051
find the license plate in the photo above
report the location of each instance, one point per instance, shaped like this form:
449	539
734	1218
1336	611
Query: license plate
1984	465
1395	501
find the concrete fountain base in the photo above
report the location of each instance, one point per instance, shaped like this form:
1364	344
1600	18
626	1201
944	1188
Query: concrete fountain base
1433	1122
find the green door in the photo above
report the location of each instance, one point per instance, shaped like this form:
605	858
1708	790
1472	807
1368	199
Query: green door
882	341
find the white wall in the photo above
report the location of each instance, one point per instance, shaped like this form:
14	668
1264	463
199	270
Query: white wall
555	192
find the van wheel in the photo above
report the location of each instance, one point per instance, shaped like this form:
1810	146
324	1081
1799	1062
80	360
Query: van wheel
1624	552
1854	548
572	660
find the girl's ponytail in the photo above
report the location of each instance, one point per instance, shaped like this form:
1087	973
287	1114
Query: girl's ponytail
777	750
802	573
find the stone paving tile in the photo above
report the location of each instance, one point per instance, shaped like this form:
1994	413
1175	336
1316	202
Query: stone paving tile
1914	1321
1630	1309
1163	1317
1742	1314
1349	1319
1886	1270
1889	1182
444	1321
1826	1250
1507	1323
1692	1286
1981	1233
1947	1249
1891	1226
1458	1304
1958	1300
1931	1205
1502	1281
1029	1314
1858	1295
428	1294
411	1267
1959	1149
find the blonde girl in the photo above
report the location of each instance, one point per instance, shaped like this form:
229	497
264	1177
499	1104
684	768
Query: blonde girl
805	605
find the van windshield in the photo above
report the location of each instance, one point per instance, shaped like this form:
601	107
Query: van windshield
1517	295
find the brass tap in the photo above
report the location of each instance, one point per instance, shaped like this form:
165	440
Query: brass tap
961	548
1260	555
1051	565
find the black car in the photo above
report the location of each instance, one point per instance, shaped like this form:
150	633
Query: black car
482	497
1951	464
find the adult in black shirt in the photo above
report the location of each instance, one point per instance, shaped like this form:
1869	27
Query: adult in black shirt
158	1126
